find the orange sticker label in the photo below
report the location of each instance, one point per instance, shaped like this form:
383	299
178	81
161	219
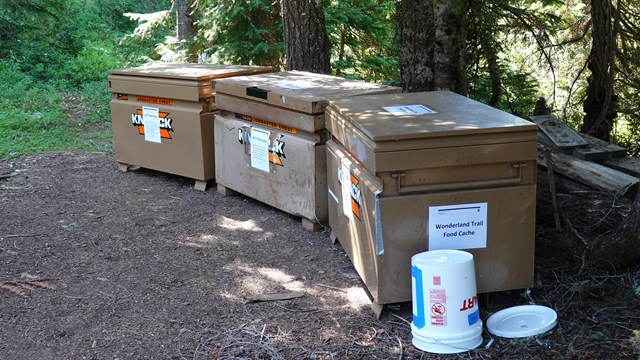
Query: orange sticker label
355	196
154	100
270	124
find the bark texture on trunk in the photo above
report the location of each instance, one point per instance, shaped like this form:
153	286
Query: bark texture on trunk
305	36
432	37
186	19
598	106
416	34
450	39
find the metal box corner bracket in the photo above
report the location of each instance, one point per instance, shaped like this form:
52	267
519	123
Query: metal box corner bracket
286	111
474	167
162	114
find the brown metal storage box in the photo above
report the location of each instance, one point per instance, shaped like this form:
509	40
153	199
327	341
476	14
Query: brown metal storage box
424	171
270	138
178	99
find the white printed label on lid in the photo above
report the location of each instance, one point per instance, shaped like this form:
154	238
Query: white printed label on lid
408	110
151	123
460	226
294	84
260	149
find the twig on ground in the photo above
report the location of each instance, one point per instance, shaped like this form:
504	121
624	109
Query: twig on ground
330	287
401	348
6	176
18	286
401	318
19	235
236	343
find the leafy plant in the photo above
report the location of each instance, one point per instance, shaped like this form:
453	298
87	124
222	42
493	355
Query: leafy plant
361	36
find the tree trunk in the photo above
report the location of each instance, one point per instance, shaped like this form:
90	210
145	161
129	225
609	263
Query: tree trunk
416	36
599	112
450	40
432	39
186	19
494	70
305	36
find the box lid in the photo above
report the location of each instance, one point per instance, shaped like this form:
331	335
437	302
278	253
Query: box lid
188	71
425	115
297	90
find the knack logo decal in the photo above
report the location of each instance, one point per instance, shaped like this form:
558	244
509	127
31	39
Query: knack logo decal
166	123
276	149
354	191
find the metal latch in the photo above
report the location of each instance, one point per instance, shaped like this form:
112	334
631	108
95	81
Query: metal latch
399	175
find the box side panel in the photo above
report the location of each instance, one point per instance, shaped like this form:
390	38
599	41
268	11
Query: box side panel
358	145
355	229
266	96
458	156
289	185
163	88
293	119
507	261
185	146
321	198
208	147
501	173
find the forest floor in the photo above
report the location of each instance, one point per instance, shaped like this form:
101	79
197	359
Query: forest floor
100	264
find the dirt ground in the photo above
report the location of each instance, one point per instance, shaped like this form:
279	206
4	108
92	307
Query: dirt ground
100	264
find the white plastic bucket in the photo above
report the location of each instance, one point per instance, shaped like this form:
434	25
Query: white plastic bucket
446	316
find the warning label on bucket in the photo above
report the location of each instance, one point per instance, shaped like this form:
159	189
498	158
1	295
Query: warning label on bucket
460	226
438	301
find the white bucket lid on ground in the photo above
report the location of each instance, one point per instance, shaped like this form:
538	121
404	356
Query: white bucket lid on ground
446	315
522	321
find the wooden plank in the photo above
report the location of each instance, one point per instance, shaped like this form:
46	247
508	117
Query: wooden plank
629	165
591	174
598	149
562	135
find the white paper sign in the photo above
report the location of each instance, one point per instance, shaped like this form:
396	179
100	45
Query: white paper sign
345	182
260	149
460	226
151	123
295	84
408	110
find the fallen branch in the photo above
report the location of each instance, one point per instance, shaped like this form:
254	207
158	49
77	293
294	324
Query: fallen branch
276	297
6	176
21	286
19	235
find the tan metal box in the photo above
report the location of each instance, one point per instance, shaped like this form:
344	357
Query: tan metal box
288	109
181	99
411	172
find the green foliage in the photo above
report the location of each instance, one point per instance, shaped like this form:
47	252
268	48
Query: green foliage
242	32
54	58
361	37
31	120
520	91
55	54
